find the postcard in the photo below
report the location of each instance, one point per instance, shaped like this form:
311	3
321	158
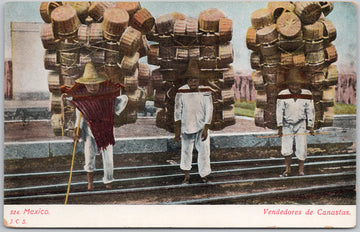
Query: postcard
180	114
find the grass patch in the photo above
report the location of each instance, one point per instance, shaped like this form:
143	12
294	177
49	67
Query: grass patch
246	108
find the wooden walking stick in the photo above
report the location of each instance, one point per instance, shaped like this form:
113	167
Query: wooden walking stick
73	157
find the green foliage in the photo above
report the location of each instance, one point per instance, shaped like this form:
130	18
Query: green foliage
246	108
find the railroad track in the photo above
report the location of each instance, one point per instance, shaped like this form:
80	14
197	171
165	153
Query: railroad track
232	181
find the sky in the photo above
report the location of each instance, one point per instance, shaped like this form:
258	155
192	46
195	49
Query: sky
343	16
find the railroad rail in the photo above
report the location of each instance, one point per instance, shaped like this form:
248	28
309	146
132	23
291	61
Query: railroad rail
232	181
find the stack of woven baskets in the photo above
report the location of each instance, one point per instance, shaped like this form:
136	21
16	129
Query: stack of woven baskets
111	35
288	35
206	40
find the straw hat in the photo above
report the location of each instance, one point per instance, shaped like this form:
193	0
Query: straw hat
295	76
192	71
90	76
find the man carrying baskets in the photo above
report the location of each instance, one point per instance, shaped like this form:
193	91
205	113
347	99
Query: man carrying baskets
295	113
192	116
97	99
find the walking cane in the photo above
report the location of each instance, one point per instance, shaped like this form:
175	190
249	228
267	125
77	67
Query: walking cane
274	136
73	157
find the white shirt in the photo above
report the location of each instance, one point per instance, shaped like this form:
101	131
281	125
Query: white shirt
291	111
194	109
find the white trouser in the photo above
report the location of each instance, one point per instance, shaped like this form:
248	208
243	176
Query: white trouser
287	140
203	147
90	150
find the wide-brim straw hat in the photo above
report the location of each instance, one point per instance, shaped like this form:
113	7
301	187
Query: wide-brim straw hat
90	76
193	71
295	76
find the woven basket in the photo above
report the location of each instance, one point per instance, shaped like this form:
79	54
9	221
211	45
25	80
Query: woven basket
182	54
164	24
51	60
97	9
308	12
270	78
131	81
258	80
160	99
255	60
313	31
47	36
192	26
83	33
291	45
179	27
55	102
153	54
114	24
251	41
330	54
226	53
54	82
225	30
278	8
289	25
261	18
144	74
267	35
314	45
328	97
143	21
96	33
129	41
209	19
112	55
57	124
72	71
46	9
329	30
328	117
227	96
315	57
128	63
143	46
331	75
228	78
81	8
65	22
326	7
130	7
69	53
194	53
156	78
269	50
272	59
209	39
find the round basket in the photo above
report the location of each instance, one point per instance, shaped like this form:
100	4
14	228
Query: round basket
289	25
255	60
153	54
208	51
156	78
299	59
96	33
83	33
259	117
313	31
209	19
131	82
227	96
261	18
69	80
269	68
286	59
194	53
128	63
330	54
317	79
278	8
55	103
47	36
46	9
208	39
258	80
328	97
97	9
144	74
54	82
272	59
69	53
51	60
228	116
228	78
98	57
57	124
160	99
164	24
308	12
113	73
75	70
81	9
182	54
329	30
192	26
114	24
314	45
180	27
225	30
65	22
291	45
129	42
331	75
267	35
143	21
251	41
269	49
315	57
270	78
226	53
112	55
130	7
317	67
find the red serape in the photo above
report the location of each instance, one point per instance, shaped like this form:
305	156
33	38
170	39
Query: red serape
97	109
